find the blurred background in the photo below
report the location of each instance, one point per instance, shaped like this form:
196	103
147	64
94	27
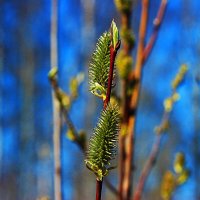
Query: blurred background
26	120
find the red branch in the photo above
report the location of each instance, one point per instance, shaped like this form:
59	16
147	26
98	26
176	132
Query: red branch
157	23
98	189
147	168
113	53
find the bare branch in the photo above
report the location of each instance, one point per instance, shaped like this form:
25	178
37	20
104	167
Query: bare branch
156	27
56	106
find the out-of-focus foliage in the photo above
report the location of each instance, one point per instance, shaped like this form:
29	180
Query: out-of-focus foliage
171	180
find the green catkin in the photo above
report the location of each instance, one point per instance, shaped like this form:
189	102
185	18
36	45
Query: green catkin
103	143
99	66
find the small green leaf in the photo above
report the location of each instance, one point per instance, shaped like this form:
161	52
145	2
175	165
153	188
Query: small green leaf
114	34
98	90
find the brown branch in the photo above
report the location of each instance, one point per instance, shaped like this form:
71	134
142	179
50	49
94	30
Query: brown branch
156	23
110	186
135	77
127	48
152	158
147	168
142	34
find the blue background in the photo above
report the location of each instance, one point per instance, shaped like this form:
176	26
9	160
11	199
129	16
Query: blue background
26	149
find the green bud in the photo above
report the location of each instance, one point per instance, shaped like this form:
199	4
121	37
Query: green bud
124	64
114	35
52	73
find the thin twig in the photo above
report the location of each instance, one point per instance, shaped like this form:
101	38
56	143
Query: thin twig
56	106
98	189
110	186
142	34
113	53
156	26
147	168
151	159
135	76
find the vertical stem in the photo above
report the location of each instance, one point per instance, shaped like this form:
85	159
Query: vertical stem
156	26
147	168
110	77
56	107
126	23
98	189
136	77
113	53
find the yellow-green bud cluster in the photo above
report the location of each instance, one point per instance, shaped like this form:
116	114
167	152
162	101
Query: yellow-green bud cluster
127	36
123	5
169	102
172	180
124	63
180	76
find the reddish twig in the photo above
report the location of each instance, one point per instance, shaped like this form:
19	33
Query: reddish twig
151	159
156	23
113	53
135	76
127	47
147	168
110	186
98	189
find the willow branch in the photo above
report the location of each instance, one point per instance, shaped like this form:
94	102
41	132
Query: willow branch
56	106
113	53
98	189
151	161
147	168
135	77
110	186
142	34
156	27
126	48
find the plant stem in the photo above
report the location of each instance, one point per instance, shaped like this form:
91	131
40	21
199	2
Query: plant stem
126	25
157	23
56	106
98	189
147	168
133	104
113	54
151	159
110	186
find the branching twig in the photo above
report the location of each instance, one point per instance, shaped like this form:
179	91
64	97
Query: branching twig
135	77
156	26
147	168
110	186
160	131
151	159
